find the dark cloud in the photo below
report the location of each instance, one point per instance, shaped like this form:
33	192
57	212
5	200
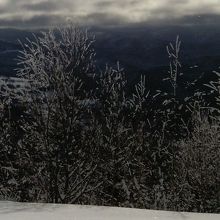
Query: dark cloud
103	19
103	4
115	3
34	22
34	13
205	19
41	6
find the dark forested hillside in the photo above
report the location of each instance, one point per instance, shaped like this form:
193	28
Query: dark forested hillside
139	49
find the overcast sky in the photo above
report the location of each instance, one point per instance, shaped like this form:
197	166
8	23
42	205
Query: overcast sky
37	13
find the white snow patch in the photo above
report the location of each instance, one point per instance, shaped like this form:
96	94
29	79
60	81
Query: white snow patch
31	211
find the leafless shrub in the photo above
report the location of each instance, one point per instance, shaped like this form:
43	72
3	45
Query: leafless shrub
199	167
103	146
58	166
173	51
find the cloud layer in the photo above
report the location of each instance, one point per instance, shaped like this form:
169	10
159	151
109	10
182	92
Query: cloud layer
37	13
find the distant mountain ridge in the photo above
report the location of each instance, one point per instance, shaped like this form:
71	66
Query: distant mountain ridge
6	45
139	49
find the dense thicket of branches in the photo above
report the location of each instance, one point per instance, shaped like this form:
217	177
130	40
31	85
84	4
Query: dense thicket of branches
77	135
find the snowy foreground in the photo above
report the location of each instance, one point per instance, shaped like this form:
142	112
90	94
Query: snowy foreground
27	211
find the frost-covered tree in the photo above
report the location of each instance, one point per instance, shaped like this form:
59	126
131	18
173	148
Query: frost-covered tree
81	136
198	167
55	65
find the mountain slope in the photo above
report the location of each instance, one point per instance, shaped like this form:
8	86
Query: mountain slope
139	49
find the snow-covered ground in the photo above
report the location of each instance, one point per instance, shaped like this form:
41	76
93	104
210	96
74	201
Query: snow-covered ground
28	211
